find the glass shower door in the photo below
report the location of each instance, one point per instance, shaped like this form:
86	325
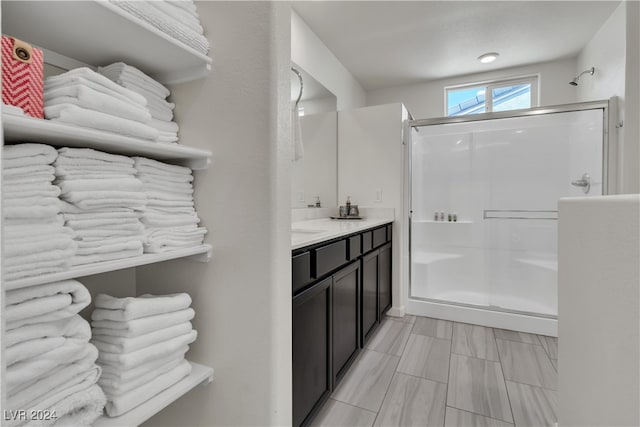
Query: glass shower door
501	179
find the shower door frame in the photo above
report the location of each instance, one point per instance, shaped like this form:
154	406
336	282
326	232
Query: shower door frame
544	324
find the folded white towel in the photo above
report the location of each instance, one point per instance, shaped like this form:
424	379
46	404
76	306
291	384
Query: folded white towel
36	367
120	69
52	383
130	308
90	153
33	258
61	242
116	375
160	241
167	138
159	113
113	344
44	303
67	171
170	203
180	14
108	248
121	184
34	212
26	350
170	221
133	232
113	386
83	74
68	208
27	170
109	256
152	352
164	126
170	210
160	178
166	24
187	5
142	164
41	191
117	405
32	230
11	275
85	97
58	220
141	326
83	117
105	199
98	215
169	187
42	178
46	152
105	223
123	94
12	110
72	327
81	406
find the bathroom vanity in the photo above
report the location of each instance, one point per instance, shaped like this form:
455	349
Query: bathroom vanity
341	288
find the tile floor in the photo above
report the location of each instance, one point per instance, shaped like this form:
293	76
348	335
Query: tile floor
418	371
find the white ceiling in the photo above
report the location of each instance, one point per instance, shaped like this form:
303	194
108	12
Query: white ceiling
390	43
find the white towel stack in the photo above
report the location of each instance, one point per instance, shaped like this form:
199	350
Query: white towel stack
155	94
51	366
142	342
102	203
170	219
35	238
86	98
177	19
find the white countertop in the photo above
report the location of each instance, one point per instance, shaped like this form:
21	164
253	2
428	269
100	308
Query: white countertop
305	233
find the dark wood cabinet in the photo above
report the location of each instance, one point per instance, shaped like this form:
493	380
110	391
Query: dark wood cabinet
384	279
345	318
341	288
369	294
311	349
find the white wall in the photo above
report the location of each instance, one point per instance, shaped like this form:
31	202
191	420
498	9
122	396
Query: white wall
425	100
242	297
310	53
599	315
614	54
370	159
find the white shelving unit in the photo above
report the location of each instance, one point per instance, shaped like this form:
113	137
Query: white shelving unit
200	374
100	33
94	33
200	253
25	128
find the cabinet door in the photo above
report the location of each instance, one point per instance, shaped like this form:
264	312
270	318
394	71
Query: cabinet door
345	318
384	278
369	293
311	346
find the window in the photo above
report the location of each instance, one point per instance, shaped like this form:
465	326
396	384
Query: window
503	95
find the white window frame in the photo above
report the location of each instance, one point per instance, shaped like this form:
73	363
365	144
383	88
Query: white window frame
489	85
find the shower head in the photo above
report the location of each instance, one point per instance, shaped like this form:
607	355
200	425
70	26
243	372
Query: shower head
576	79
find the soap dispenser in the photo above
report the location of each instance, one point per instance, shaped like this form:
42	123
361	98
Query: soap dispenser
348	205
318	201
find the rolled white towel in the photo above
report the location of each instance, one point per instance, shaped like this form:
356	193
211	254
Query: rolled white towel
45	303
80	406
59	379
83	117
130	308
61	89
152	352
36	367
115	387
117	405
42	151
143	325
80	75
113	344
85	97
142	164
101	257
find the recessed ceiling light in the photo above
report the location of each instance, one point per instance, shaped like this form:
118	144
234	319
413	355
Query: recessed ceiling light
488	57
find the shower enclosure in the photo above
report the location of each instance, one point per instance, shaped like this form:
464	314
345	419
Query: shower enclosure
483	210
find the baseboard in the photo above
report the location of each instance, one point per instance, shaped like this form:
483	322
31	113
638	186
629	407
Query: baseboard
396	311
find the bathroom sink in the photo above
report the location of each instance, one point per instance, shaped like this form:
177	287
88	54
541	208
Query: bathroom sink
306	231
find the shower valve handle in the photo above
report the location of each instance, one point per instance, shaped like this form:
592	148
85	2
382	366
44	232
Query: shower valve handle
584	182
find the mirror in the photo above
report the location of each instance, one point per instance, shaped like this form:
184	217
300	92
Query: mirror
316	173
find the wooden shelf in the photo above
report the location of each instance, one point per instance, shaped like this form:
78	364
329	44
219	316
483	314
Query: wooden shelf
199	253
29	129
200	374
99	33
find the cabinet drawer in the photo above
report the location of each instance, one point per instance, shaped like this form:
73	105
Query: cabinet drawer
367	241
354	247
330	257
300	271
379	236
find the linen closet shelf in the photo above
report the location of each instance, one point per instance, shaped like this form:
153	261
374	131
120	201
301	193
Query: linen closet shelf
96	33
24	128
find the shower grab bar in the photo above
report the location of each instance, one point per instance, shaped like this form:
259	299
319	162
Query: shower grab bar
519	214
